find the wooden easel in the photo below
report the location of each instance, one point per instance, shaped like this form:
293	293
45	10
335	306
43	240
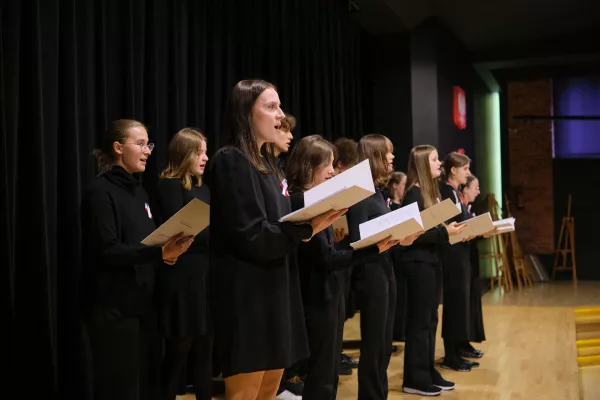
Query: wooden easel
522	272
499	262
566	247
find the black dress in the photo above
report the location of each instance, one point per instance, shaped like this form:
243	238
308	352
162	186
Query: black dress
259	319
182	297
456	269
477	330
375	290
323	281
119	275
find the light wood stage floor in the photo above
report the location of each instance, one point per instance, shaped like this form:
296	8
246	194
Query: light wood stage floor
530	352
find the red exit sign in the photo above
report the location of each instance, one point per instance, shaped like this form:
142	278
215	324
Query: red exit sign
460	108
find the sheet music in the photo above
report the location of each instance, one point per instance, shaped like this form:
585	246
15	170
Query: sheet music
438	213
399	224
191	220
344	198
359	175
476	226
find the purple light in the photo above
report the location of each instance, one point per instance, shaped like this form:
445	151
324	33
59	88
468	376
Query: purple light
577	97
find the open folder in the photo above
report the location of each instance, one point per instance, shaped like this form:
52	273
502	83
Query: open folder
475	226
337	193
191	220
505	225
398	224
438	213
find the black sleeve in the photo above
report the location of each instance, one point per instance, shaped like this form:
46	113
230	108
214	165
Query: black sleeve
243	217
323	255
102	230
435	235
356	215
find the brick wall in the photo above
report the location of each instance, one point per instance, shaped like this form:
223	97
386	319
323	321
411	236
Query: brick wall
530	158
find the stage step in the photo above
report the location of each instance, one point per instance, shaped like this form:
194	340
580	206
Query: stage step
587	326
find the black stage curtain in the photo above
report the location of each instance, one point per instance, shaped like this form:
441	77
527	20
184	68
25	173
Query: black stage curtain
68	67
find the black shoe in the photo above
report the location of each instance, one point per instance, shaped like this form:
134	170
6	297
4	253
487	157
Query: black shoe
294	385
344	370
456	366
346	360
443	384
472	353
472	364
394	349
429	391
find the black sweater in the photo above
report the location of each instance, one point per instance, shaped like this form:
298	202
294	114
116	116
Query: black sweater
319	258
427	246
118	269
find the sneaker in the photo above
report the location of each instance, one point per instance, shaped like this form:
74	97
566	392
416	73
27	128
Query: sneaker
344	369
350	362
287	395
459	366
429	391
294	385
472	353
443	384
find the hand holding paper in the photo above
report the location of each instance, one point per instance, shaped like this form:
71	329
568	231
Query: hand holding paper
337	193
438	214
189	221
473	227
399	224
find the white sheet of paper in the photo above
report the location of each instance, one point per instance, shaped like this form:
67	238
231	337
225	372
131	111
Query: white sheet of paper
359	175
475	226
191	220
342	223
505	225
344	198
399	224
438	213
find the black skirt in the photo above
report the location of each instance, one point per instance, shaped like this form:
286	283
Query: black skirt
183	296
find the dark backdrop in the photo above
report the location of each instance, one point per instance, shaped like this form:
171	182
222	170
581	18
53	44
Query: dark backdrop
68	67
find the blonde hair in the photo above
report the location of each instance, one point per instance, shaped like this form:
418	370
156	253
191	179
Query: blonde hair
183	150
419	173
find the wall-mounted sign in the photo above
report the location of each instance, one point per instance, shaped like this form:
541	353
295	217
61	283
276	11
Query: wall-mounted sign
460	108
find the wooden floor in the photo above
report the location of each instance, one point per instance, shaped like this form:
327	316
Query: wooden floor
530	352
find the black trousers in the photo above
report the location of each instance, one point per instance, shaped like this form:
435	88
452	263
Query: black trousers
199	350
400	314
325	329
423	283
125	355
377	298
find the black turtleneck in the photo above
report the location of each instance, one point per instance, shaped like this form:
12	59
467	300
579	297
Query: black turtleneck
115	218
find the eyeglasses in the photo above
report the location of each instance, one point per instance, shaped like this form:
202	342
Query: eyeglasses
150	146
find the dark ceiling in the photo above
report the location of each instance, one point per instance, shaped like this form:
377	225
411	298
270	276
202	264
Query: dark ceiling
484	24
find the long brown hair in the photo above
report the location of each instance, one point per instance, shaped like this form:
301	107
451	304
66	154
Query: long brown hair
395	179
309	154
237	122
375	147
419	173
117	131
454	160
183	151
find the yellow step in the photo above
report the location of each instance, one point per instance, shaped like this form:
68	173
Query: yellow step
587	361
587	335
588	343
